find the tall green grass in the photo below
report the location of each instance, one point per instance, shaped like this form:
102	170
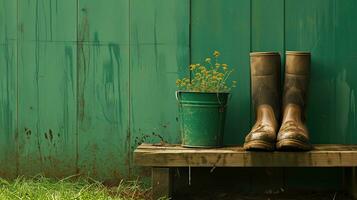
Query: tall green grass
42	188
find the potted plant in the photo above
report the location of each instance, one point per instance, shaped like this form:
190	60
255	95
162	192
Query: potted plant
202	99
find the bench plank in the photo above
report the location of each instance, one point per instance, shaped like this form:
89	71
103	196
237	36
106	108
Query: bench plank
163	155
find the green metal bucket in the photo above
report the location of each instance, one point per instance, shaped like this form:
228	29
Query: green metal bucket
202	118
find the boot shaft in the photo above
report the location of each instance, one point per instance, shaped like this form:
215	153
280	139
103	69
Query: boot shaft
265	80
296	81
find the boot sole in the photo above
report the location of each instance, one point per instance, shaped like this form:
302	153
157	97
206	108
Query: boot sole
258	145
292	145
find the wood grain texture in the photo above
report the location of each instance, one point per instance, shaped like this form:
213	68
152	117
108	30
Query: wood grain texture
159	53
47	87
47	20
176	156
103	89
47	109
328	29
267	26
8	89
8	21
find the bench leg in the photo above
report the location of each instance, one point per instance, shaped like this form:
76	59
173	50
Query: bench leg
161	182
350	181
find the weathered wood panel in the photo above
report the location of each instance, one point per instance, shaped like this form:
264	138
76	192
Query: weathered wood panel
8	109
327	29
267	26
8	88
47	87
47	20
159	52
103	89
177	156
8	17
225	26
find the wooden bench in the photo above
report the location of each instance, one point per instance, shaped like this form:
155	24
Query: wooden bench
162	157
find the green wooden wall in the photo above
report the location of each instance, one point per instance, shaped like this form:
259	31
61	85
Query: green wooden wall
83	82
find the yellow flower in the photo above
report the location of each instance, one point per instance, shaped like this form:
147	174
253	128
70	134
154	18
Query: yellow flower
207	76
192	67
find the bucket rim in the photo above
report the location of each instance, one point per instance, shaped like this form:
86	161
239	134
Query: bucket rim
264	53
297	53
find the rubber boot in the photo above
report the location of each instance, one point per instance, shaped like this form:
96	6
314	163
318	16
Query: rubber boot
293	134
265	91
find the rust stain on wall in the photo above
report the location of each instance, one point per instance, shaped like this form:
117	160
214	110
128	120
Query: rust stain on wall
83	35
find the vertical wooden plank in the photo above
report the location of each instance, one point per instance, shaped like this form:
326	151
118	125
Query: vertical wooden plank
159	52
328	29
8	21
161	182
8	88
344	68
225	26
48	20
103	89
47	87
267	26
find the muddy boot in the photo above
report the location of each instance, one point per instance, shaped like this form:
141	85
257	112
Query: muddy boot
265	90
293	134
